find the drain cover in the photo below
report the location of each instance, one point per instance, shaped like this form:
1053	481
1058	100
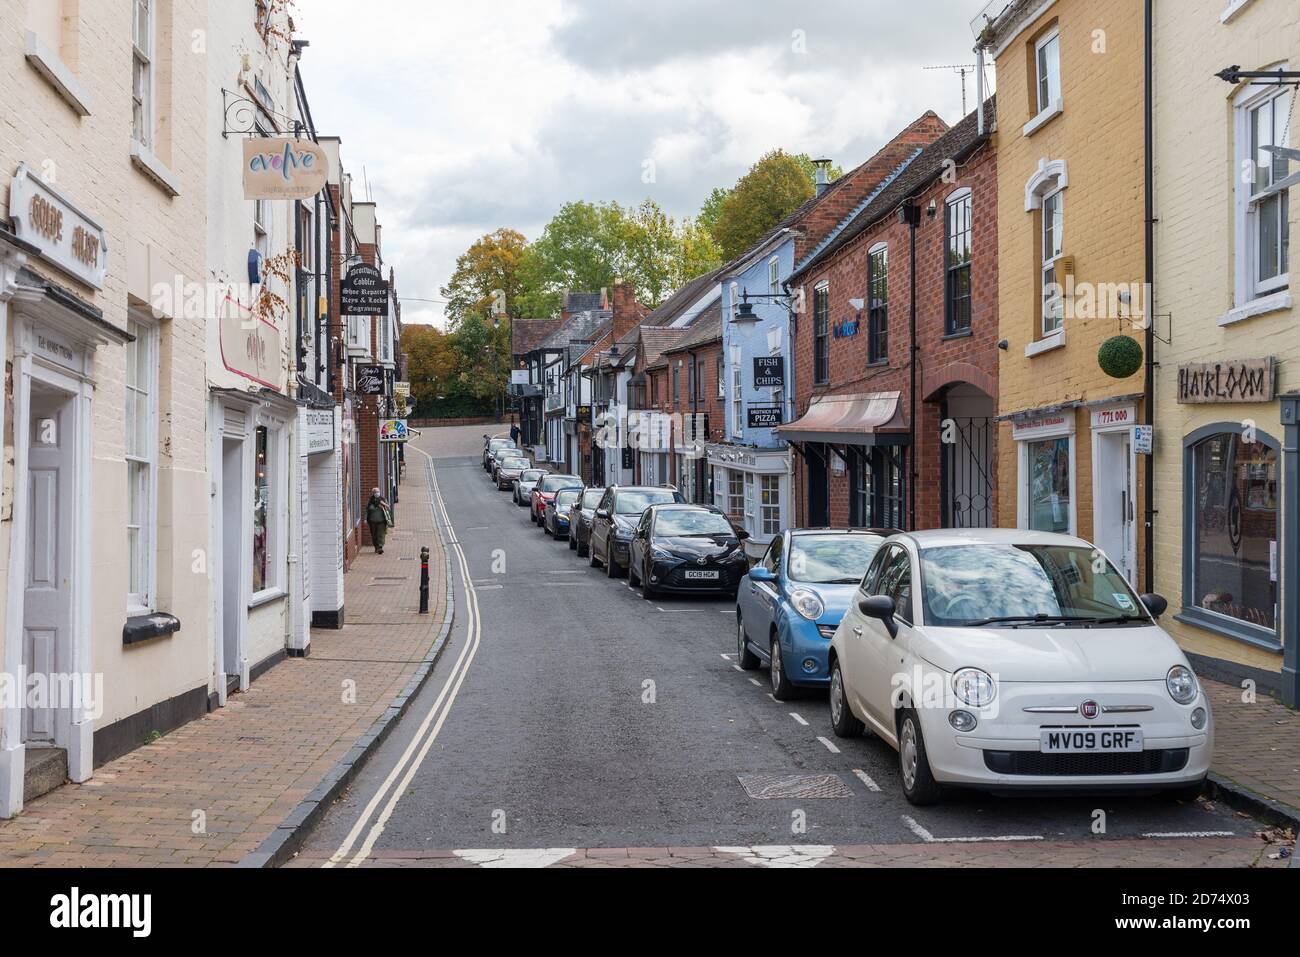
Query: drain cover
768	786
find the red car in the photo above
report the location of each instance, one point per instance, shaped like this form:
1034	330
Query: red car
544	494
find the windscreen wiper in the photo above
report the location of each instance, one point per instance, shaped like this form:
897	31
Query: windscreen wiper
1022	620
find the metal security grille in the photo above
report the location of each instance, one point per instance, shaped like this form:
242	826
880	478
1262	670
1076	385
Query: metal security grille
968	474
771	786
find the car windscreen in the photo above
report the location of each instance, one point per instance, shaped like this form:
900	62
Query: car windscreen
515	464
831	559
636	501
677	523
532	475
497	445
591	498
567	497
553	483
1011	585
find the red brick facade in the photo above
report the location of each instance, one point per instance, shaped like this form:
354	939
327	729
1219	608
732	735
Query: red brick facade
944	362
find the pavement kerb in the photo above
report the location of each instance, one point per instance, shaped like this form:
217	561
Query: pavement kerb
1220	788
281	845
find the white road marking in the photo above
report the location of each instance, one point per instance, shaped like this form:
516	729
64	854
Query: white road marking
424	737
1167	834
727	657
929	838
738	668
526	858
728	611
866	779
782	855
755	682
830	745
799	719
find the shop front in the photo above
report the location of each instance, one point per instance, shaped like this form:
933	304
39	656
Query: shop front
753	487
1046	469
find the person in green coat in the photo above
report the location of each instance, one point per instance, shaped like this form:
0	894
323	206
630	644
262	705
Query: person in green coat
380	519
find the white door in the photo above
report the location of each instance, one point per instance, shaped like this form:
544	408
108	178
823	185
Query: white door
233	568
1114	508
47	589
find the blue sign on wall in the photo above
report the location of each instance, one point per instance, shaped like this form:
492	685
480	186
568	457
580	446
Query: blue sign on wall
846	329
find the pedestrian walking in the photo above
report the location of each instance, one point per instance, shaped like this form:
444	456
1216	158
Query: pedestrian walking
515	433
380	519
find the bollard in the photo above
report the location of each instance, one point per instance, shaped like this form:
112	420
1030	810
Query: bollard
424	580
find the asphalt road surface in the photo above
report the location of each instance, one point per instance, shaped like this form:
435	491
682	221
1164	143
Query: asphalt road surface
568	712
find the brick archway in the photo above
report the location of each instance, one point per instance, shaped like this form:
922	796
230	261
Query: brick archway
954	373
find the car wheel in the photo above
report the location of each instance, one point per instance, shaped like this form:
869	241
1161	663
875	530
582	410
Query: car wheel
633	578
843	723
744	657
919	785
595	562
573	543
782	689
611	567
583	550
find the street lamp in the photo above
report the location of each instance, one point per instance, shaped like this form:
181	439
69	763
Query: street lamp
745	311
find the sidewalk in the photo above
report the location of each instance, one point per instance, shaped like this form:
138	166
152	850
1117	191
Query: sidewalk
242	770
1256	749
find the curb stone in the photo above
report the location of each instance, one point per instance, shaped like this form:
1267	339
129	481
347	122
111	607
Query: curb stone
1219	788
281	845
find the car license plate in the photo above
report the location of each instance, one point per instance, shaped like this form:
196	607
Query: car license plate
1089	740
694	576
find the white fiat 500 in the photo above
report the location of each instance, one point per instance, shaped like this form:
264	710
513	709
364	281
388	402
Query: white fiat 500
1016	660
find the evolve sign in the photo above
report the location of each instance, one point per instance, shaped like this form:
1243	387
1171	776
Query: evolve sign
1234	380
279	167
769	372
66	237
364	292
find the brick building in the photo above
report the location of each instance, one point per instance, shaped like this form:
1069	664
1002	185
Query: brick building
697	401
896	354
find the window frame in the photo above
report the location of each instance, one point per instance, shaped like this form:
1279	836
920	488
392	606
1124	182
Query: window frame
142	59
822	333
276	525
965	199
770	504
1053	200
147	332
1197	615
1249	287
1045	101
722	376
878	309
774	275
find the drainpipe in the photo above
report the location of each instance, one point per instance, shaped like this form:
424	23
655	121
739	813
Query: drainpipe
911	214
1148	417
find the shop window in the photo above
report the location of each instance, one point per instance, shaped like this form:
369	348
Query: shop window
264	521
141	413
958	235
878	304
771	505
735	494
1048	475
878	487
1231	528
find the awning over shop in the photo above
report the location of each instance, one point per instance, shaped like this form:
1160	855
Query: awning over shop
859	419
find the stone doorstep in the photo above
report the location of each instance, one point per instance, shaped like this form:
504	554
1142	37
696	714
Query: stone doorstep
44	770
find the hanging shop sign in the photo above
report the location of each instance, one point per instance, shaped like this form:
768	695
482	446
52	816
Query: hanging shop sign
769	372
629	459
370	380
317	431
67	238
1231	380
281	167
392	431
364	292
250	344
765	416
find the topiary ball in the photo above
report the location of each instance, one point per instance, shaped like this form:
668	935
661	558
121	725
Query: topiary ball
1120	357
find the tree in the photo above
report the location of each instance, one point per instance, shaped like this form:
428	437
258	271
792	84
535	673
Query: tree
773	188
487	278
433	366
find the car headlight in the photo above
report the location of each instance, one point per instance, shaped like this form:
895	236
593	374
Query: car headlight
738	556
974	687
662	555
807	603
623	534
1181	684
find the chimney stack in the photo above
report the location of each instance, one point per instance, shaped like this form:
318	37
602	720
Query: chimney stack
628	313
823	179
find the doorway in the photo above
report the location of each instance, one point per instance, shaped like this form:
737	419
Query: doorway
1114	494
49	551
819	491
232	554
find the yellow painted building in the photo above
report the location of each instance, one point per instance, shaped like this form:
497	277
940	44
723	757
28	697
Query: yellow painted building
1223	302
1071	247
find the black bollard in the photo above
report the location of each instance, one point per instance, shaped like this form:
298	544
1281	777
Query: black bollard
424	580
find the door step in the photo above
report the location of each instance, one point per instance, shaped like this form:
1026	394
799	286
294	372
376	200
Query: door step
45	770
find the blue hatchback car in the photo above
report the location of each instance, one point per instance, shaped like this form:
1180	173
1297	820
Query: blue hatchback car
792	601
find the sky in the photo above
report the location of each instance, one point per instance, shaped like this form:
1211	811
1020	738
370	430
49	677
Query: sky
467	116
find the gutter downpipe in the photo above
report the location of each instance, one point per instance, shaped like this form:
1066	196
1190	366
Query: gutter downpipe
1148	417
913	220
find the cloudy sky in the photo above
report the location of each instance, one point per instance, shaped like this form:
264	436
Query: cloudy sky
470	115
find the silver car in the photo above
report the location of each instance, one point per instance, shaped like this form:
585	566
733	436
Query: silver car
527	482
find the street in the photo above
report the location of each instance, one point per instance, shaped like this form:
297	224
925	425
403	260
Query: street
568	714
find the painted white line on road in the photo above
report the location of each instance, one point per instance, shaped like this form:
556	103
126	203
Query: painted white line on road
866	779
830	745
799	719
929	838
738	668
727	611
728	657
1168	834
527	858
755	682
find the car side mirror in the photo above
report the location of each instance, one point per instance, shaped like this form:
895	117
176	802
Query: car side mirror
1156	604
761	574
882	608
602	513
743	534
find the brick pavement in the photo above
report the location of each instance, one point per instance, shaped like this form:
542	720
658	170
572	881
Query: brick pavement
1257	745
246	767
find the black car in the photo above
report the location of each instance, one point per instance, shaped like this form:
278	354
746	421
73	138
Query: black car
616	519
581	518
687	548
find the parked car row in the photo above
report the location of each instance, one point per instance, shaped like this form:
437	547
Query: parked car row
1004	660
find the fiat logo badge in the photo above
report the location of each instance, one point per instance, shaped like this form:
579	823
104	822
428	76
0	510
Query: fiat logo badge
1090	709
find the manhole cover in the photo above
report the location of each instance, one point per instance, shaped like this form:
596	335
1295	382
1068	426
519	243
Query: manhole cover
765	787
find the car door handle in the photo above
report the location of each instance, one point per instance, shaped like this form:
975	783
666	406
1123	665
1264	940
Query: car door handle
858	632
